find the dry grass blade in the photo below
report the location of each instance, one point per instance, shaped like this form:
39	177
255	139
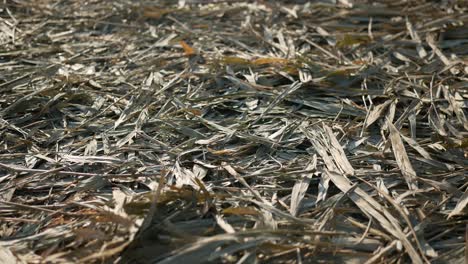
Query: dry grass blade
402	158
300	188
376	113
461	205
372	208
338	154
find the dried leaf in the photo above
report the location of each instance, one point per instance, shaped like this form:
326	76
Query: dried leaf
241	211
402	158
188	50
461	204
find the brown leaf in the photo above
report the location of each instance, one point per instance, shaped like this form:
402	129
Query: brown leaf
189	51
241	211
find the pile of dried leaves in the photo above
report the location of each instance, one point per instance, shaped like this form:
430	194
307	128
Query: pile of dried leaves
233	131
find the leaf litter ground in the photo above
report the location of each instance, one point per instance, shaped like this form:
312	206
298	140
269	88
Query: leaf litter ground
233	131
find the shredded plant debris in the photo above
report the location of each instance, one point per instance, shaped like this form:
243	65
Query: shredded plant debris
233	131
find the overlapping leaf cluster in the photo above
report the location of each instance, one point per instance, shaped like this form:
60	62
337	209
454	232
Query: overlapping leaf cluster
233	131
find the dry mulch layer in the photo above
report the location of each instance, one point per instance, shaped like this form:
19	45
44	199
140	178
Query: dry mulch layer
204	131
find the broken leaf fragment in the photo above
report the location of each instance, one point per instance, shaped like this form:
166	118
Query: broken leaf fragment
349	40
188	50
241	211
